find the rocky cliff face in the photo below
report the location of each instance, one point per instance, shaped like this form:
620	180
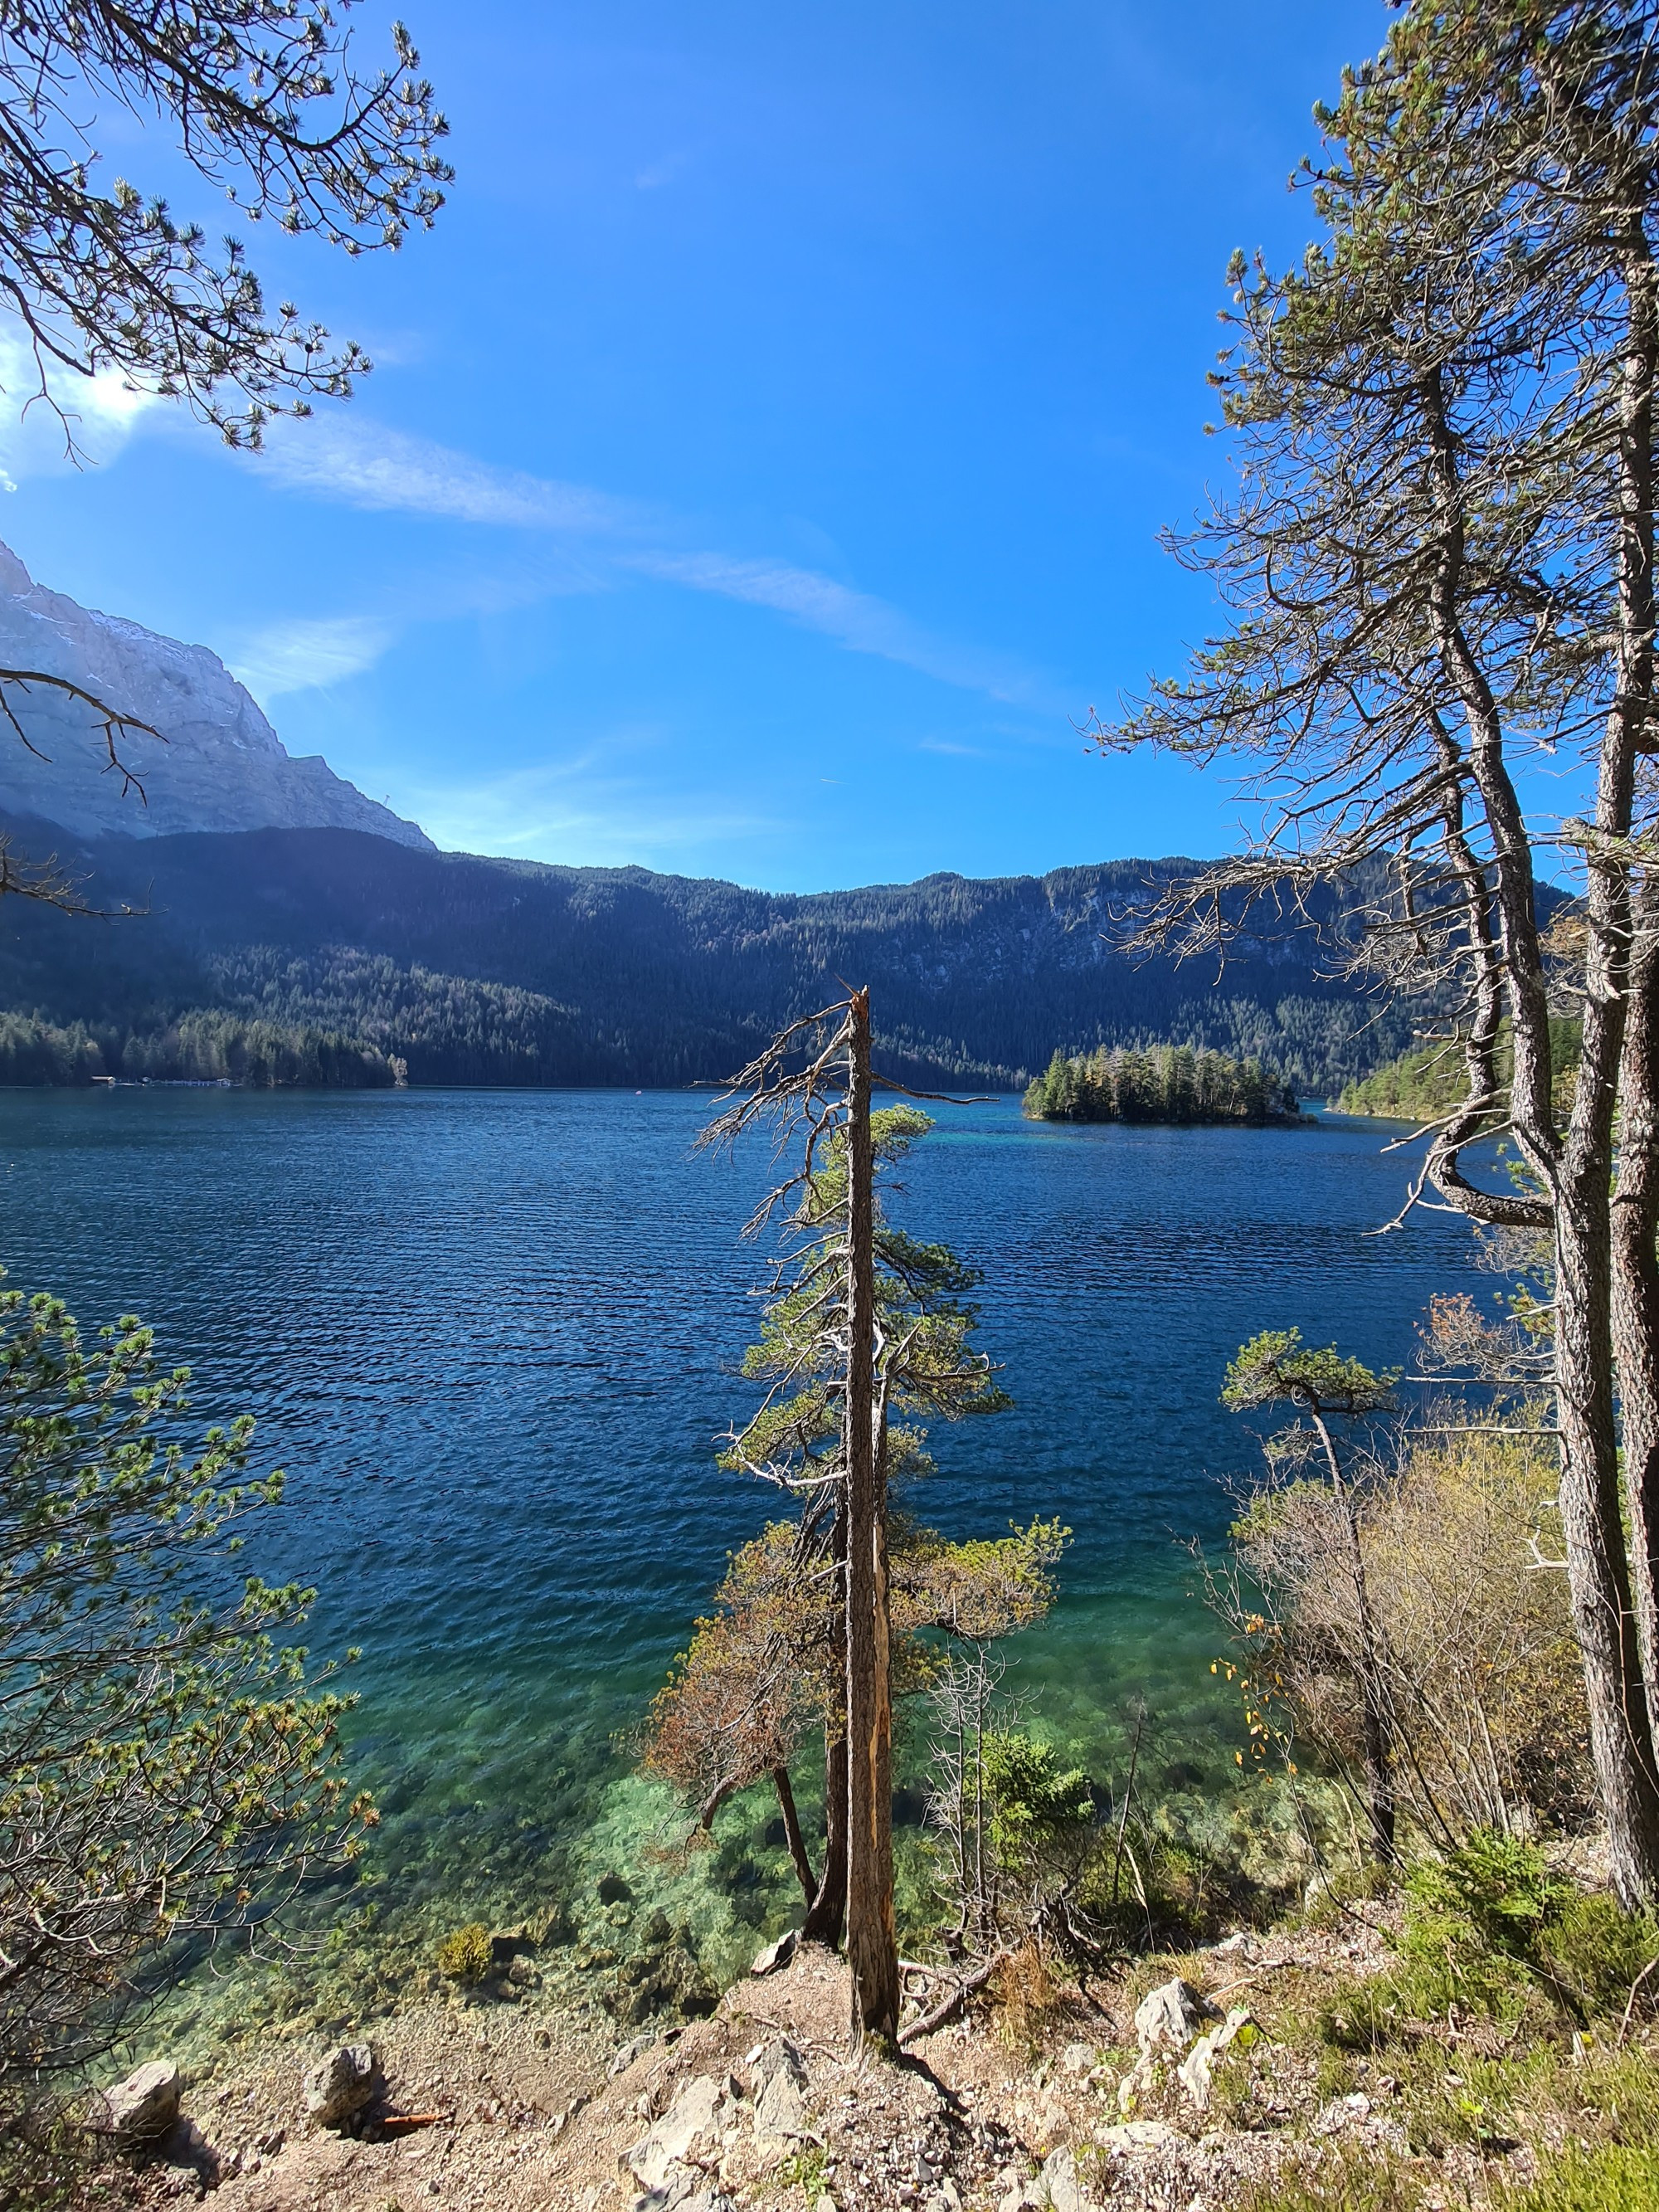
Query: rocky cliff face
221	766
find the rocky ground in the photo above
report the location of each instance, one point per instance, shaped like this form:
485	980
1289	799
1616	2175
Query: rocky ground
1191	2091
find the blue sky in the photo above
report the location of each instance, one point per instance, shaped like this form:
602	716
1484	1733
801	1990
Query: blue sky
760	473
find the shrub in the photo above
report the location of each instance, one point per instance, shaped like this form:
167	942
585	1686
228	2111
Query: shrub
1502	1886
467	1956
805	2170
1026	1993
1594	1954
1475	1650
1035	1804
169	1767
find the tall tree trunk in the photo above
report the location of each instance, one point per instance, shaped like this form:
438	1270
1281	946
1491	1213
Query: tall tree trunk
1636	1196
1575	1170
828	1907
872	1941
1603	1618
1636	1294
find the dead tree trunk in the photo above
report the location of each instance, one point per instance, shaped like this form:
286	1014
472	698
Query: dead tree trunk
828	1909
1636	1290
872	1941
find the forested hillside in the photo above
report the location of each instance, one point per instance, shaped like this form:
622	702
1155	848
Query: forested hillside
361	953
1422	1084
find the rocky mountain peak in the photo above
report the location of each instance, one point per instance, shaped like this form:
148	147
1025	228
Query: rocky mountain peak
219	764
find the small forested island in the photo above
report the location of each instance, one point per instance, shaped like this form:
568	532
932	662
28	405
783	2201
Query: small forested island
1163	1083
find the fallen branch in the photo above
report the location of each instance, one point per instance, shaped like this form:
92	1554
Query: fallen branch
1244	1981
959	1995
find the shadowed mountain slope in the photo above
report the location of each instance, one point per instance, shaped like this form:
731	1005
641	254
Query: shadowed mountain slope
475	970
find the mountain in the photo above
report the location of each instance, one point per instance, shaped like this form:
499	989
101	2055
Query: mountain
221	765
331	955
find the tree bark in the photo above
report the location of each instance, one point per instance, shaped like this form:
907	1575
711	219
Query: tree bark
1604	1618
1635	1225
872	1941
1636	1297
828	1907
792	1834
1604	1621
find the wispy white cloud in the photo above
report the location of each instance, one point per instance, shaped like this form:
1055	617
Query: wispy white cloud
308	655
656	174
354	460
364	464
613	820
98	413
854	619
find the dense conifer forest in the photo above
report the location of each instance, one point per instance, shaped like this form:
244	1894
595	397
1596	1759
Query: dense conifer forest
331	956
1166	1083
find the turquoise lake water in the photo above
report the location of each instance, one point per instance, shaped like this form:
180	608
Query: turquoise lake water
492	1335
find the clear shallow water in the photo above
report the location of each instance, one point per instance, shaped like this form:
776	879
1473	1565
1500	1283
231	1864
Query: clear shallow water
491	1336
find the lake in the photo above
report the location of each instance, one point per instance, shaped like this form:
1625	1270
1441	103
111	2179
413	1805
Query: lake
492	1335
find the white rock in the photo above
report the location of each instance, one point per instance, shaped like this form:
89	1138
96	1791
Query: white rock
777	1954
1077	2057
779	2077
1198	2065
1341	2113
141	2107
1130	2135
630	2051
1062	2190
1170	2017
